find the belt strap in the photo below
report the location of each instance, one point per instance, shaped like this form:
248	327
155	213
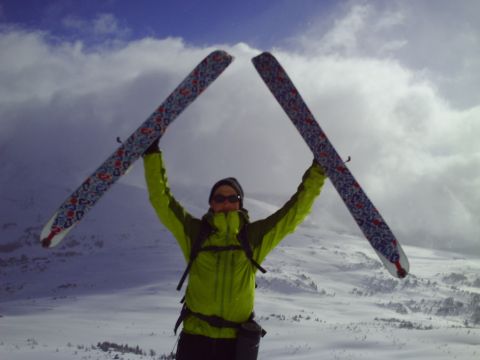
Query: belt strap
212	320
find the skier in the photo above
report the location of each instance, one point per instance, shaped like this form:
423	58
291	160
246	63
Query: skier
223	251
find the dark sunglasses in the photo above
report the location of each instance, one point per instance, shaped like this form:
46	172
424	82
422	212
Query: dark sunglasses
220	199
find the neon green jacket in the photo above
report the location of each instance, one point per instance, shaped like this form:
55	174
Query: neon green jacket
223	283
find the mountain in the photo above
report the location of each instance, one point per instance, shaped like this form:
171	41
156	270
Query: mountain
108	290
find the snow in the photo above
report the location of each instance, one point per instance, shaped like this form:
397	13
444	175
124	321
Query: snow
110	285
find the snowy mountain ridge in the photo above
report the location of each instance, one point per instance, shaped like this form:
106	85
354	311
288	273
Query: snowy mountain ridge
325	295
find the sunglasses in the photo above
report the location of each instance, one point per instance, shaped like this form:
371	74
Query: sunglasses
220	199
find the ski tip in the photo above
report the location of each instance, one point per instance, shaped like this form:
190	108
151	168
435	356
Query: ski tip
51	236
399	268
402	273
46	243
221	54
263	56
403	268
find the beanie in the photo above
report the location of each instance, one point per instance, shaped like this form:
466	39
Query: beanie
233	183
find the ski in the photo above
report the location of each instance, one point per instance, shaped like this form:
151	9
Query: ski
363	211
91	190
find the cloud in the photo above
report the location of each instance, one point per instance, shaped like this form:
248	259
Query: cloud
343	36
441	42
361	30
411	105
416	155
103	25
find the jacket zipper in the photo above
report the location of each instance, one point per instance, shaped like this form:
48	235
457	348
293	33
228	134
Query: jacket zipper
224	272
217	279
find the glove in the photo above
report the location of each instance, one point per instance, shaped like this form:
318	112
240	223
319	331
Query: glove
317	165
153	148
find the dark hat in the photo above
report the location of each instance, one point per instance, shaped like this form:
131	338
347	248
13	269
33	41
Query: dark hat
233	183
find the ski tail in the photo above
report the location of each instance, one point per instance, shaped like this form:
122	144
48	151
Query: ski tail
361	208
399	268
74	208
51	235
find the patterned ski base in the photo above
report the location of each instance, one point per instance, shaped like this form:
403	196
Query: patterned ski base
365	214
91	190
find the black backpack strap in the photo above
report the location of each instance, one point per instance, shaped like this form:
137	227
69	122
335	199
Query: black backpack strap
216	248
205	230
242	238
183	314
212	320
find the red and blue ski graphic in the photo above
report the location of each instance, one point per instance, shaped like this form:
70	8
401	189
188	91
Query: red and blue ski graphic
363	211
91	190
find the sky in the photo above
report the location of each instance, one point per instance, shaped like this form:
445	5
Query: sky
259	23
394	84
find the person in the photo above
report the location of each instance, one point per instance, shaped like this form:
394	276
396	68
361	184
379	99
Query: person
221	284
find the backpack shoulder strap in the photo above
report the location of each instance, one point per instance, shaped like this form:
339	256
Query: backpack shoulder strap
243	240
203	234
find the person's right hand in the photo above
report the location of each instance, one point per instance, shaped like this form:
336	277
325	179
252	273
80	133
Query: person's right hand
152	148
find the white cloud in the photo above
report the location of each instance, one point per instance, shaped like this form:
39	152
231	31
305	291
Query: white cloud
416	156
390	19
106	24
102	25
74	22
406	71
363	29
343	36
442	41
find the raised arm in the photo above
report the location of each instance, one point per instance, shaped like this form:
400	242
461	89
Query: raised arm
175	218
267	233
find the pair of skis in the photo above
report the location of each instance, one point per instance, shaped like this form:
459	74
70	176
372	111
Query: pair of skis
365	214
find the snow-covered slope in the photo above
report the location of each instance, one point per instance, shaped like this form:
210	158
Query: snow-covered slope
108	291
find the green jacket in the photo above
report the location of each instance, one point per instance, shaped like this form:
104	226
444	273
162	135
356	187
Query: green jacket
223	283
